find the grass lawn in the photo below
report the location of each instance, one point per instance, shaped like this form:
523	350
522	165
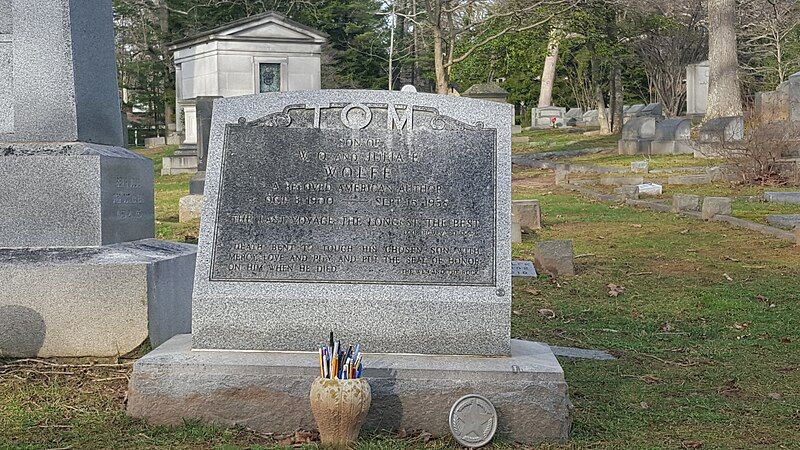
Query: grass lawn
550	140
169	190
610	158
707	334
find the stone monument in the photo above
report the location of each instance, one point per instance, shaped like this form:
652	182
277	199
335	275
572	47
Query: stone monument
190	206
543	117
382	216
637	134
697	88
81	273
491	91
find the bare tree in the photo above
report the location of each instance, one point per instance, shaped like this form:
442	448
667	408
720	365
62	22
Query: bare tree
667	45
766	27
458	28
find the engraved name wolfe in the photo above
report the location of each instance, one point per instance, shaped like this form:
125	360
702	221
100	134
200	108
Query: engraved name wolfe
356	193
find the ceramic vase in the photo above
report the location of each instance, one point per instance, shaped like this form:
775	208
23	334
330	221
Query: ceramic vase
340	409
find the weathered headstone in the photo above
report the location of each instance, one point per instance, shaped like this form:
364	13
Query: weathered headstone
155	142
383	216
631	192
782	197
685	202
637	134
555	258
697	88
714	206
184	160
788	221
573	117
651	110
79	264
190	207
528	214
689	180
771	107
649	189
721	131
673	137
205	109
613	180
640	166
631	112
544	117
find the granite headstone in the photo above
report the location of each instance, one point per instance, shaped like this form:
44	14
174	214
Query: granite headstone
337	201
383	216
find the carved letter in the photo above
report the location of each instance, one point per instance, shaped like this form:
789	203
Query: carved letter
357	124
393	121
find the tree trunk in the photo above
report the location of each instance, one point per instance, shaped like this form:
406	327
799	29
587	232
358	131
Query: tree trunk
549	72
600	100
163	23
618	101
724	94
438	62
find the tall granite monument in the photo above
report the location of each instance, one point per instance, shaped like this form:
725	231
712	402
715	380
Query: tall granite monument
382	216
82	274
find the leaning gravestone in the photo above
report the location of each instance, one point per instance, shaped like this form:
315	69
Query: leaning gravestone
383	216
81	273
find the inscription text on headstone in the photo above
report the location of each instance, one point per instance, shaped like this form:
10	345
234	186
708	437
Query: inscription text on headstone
354	193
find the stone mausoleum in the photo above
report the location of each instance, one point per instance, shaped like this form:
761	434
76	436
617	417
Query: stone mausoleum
263	53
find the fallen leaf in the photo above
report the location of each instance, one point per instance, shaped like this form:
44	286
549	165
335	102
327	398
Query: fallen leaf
727	277
730	389
691	444
532	291
741	326
729	259
786	340
666	328
547	313
761	298
686	231
651	379
644	405
515	312
637	225
614	290
775	396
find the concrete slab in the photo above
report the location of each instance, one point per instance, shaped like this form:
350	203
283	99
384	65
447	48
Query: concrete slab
782	197
269	391
787	221
581	353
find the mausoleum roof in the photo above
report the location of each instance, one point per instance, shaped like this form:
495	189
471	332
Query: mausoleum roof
485	89
256	28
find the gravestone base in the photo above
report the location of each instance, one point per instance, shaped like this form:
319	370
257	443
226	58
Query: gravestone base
177	164
634	146
198	183
94	301
190	207
269	391
671	147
